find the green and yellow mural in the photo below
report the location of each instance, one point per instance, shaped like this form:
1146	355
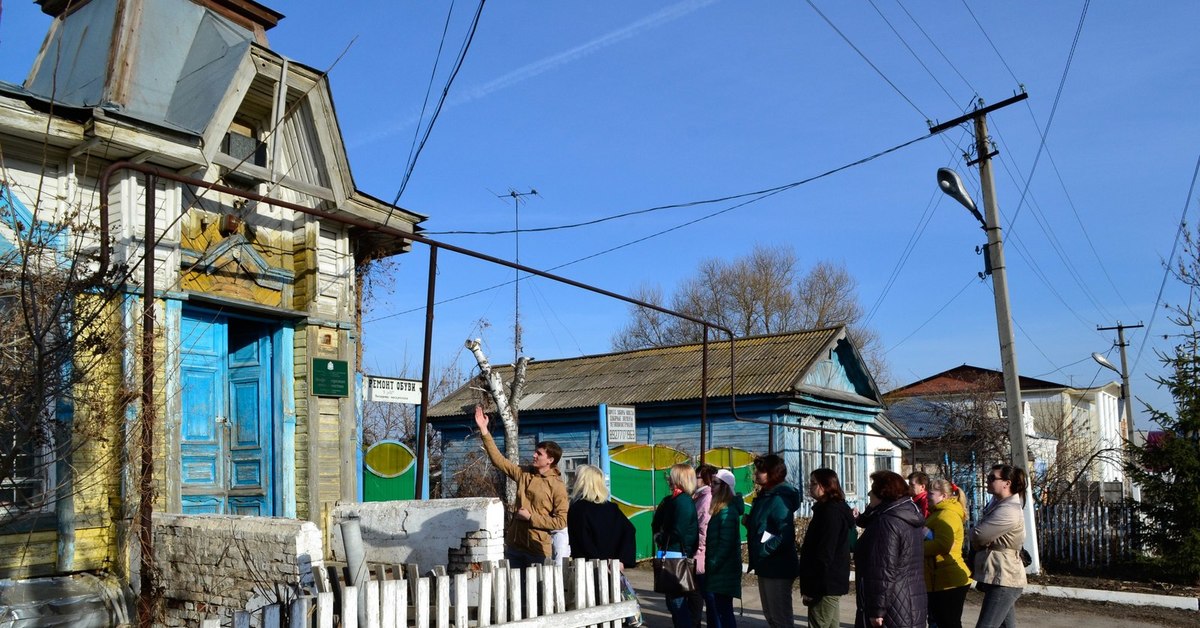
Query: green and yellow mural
639	481
391	472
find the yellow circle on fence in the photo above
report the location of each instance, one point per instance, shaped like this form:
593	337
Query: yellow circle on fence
388	459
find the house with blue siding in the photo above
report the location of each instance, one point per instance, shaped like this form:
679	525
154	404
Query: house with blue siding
807	396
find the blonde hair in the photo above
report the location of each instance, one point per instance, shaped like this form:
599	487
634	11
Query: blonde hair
947	488
683	476
722	496
590	485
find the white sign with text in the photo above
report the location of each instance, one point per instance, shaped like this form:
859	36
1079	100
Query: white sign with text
393	390
622	425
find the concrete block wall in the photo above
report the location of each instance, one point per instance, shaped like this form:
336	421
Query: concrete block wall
457	533
211	565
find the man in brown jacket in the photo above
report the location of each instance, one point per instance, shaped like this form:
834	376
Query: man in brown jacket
541	502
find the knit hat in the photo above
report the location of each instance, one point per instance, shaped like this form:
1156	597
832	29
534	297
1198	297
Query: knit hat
726	476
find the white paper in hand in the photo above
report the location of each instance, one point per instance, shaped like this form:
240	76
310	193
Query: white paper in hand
766	536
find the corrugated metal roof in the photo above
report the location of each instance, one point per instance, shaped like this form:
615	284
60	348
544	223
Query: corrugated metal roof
764	365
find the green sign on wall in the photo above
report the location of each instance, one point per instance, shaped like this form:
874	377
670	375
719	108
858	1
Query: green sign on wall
330	378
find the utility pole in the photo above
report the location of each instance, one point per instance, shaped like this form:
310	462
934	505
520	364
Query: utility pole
517	200
999	272
1126	396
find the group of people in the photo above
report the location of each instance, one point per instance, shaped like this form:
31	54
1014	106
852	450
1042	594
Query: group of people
910	569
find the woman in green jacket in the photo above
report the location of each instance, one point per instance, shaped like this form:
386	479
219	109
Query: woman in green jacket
723	552
946	577
771	536
676	532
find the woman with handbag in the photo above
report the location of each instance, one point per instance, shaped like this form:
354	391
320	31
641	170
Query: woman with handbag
676	536
771	537
997	539
946	577
723	556
825	552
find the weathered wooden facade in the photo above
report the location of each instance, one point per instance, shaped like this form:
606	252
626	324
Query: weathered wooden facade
806	395
255	305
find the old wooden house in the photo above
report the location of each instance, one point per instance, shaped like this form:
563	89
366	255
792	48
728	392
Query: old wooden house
807	396
254	303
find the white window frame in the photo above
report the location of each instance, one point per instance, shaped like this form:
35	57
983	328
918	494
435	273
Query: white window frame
849	464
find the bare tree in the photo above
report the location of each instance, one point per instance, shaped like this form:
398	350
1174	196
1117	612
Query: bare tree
61	326
507	400
764	292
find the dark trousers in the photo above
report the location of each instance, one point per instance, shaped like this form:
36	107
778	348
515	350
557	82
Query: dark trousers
721	612
946	607
700	604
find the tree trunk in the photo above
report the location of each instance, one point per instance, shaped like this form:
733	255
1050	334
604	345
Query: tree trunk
506	403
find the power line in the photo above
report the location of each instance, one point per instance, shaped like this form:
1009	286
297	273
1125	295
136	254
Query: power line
1053	109
761	195
933	316
911	51
462	55
938	49
732	197
429	88
989	41
864	58
1168	265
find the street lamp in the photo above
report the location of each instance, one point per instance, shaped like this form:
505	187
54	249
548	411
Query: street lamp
952	185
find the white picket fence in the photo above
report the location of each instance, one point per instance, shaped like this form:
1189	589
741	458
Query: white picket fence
582	593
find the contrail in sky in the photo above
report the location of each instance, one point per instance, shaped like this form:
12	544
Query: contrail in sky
553	62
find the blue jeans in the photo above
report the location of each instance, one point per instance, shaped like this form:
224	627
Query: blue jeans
681	615
721	612
999	606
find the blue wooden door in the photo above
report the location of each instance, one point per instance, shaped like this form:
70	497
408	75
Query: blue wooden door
228	404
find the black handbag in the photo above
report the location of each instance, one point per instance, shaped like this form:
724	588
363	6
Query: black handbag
673	577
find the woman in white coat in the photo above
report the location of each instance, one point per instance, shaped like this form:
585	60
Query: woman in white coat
997	541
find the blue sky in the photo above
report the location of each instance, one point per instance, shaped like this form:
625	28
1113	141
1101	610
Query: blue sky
608	107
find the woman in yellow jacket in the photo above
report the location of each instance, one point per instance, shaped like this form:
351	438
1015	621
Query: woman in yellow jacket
947	579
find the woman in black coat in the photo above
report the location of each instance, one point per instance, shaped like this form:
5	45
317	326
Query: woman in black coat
889	578
596	527
825	553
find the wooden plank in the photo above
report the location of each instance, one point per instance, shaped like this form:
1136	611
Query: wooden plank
589	583
560	594
372	602
615	585
298	618
514	594
211	622
421	603
349	613
581	617
325	609
271	614
548	588
580	579
413	573
461	600
389	597
443	600
241	619
484	617
531	590
500	594
402	604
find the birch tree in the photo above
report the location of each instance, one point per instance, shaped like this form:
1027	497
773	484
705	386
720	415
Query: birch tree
507	399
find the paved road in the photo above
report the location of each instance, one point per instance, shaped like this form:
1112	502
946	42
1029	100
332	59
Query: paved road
749	615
